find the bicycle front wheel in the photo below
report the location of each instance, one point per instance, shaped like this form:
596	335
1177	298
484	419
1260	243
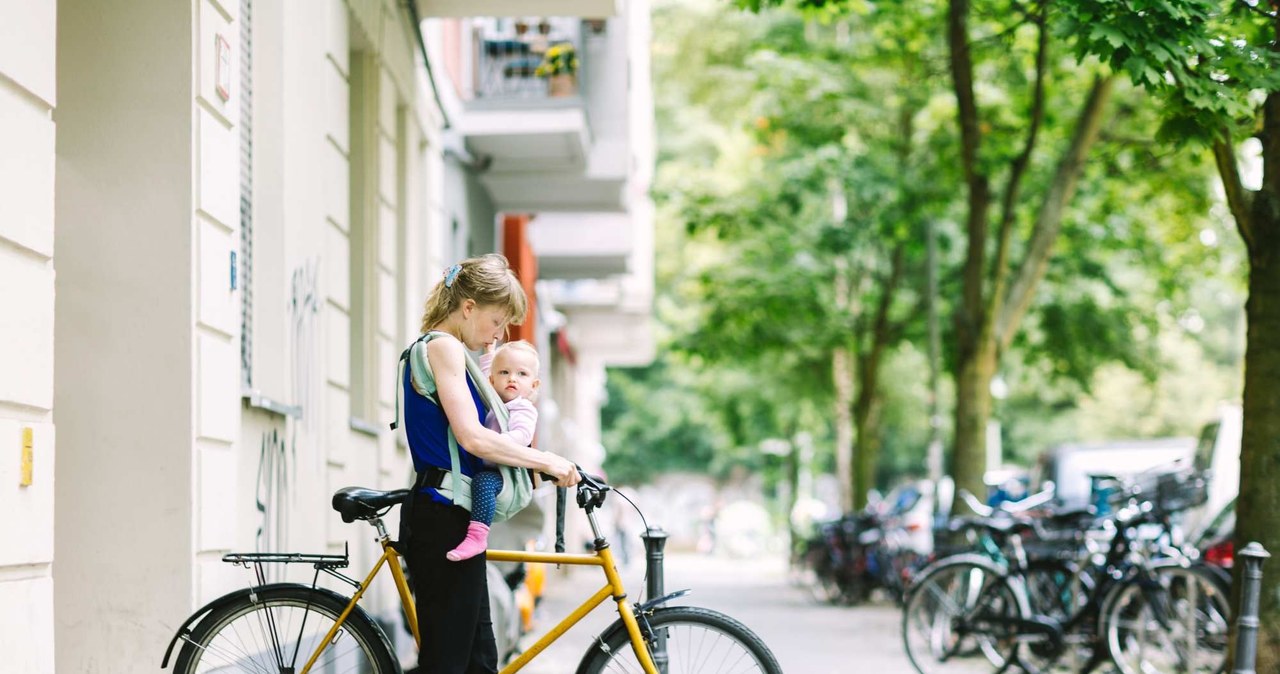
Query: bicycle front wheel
277	629
690	640
1177	620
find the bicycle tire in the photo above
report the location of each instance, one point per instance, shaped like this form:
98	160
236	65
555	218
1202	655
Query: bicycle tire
279	627
1057	588
1194	593
984	593
697	640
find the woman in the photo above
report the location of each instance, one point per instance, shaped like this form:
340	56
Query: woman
473	305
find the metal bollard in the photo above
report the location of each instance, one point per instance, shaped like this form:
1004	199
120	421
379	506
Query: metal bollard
1253	556
655	539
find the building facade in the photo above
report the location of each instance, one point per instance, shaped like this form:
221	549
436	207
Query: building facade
568	171
218	222
28	98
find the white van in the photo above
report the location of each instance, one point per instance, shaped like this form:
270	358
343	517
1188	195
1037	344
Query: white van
1071	467
1219	453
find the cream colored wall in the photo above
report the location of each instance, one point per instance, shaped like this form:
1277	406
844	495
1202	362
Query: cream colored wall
288	467
27	101
166	466
125	388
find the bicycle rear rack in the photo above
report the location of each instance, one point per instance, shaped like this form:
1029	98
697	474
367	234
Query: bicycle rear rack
321	563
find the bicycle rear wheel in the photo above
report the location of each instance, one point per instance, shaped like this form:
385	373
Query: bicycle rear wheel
279	631
697	640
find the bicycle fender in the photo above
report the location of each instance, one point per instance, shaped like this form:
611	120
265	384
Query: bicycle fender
648	605
1019	588
969	558
598	643
184	630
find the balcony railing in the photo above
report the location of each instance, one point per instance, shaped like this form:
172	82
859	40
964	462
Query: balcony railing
515	58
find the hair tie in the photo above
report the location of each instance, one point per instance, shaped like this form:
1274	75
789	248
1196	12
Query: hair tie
451	274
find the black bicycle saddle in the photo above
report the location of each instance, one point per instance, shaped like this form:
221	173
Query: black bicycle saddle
359	503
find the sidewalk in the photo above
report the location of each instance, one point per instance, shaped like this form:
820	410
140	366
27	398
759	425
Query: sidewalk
804	635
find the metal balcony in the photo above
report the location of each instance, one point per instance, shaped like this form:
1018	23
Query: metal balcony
512	56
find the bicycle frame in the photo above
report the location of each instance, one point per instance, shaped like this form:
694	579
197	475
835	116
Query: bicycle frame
602	557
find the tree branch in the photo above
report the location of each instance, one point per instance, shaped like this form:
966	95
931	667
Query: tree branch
970	142
1239	199
1008	207
1049	218
962	80
882	331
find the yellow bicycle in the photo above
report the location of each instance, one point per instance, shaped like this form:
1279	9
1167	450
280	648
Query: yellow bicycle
292	628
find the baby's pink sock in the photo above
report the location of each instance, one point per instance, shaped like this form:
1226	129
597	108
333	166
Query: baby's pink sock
475	543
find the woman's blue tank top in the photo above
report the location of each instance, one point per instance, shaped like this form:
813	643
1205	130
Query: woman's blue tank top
427	429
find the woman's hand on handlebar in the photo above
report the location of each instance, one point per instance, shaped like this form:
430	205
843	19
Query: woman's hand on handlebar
562	471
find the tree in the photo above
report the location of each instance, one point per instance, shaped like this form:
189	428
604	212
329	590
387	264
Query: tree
827	229
1216	68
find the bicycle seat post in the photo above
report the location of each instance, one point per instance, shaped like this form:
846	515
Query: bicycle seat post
381	528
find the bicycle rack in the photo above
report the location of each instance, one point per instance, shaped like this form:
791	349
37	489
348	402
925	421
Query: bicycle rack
321	563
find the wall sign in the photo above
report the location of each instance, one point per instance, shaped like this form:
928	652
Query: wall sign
222	74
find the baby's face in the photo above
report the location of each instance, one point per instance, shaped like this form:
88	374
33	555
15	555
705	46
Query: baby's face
514	374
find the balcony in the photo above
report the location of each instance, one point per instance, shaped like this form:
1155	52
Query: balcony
538	132
575	246
514	60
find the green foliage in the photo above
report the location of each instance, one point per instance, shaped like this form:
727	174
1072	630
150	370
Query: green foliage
657	420
1206	59
761	117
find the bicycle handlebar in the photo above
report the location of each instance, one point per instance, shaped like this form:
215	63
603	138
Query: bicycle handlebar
587	480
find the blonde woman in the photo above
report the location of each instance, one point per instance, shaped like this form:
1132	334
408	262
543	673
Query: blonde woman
472	306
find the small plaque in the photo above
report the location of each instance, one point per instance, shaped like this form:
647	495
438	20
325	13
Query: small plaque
27	462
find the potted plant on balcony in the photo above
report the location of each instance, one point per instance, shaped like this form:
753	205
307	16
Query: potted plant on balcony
560	67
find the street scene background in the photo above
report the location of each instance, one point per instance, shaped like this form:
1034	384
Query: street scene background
936	336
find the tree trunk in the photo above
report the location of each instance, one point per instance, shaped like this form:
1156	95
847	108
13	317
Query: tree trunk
1258	507
975	370
986	325
866	431
842	372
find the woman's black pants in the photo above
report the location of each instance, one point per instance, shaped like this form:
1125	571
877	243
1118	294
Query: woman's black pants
452	598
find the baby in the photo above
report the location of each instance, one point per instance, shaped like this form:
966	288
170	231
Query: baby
513	371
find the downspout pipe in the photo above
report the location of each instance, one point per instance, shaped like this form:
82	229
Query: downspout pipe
422	47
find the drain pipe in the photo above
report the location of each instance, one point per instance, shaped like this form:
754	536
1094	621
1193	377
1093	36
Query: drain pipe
422	47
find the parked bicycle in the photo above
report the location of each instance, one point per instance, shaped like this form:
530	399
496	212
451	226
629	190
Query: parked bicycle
283	628
1141	602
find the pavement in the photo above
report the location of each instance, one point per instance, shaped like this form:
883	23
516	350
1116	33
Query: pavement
804	635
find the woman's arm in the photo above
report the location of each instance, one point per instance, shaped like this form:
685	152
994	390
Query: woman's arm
448	364
522	419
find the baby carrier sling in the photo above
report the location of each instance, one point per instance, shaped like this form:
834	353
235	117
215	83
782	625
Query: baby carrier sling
517	485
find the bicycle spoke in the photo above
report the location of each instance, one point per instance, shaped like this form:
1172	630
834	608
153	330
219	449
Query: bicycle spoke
250	638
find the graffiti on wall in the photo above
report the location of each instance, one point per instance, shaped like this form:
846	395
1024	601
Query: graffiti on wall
304	307
278	454
275	459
